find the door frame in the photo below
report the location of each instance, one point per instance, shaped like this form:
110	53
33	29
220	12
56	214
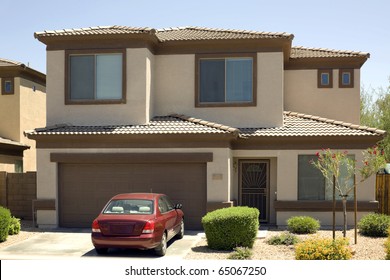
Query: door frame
268	163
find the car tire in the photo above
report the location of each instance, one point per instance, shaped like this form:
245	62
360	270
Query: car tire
161	249
180	234
101	251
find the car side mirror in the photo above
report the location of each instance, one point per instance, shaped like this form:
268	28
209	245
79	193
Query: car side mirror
178	206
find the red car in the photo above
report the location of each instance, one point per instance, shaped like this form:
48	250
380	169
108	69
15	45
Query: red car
138	220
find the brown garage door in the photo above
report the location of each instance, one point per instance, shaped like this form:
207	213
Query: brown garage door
85	188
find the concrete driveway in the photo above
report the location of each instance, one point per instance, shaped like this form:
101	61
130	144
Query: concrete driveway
77	244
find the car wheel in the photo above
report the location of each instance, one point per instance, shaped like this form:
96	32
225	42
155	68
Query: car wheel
101	251
180	234
161	249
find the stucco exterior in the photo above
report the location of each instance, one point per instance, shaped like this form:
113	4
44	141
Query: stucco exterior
161	80
165	84
284	181
301	94
222	179
23	110
175	81
139	87
218	175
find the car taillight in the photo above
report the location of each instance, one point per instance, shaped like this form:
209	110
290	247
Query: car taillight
95	226
149	227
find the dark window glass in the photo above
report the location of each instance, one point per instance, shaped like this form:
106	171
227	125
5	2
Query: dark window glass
212	80
226	80
96	77
82	75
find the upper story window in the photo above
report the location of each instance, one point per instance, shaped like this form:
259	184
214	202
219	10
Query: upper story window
7	86
225	80
95	77
346	78
325	78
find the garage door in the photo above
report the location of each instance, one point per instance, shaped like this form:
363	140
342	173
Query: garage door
85	188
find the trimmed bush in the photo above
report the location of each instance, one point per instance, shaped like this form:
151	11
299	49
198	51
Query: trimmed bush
303	225
241	253
286	238
374	225
323	249
228	228
387	245
14	226
5	218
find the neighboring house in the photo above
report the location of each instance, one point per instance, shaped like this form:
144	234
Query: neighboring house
22	107
204	115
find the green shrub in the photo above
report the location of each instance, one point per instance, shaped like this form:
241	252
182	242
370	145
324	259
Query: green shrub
387	245
241	253
5	218
302	225
283	239
232	227
323	249
14	226
375	225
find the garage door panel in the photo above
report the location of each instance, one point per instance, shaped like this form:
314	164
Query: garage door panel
85	188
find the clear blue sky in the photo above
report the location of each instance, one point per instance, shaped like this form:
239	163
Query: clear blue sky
336	24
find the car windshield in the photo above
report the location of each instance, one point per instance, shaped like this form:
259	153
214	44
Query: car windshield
129	206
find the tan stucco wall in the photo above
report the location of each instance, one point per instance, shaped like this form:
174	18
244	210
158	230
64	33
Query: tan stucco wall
218	175
33	115
9	114
139	86
302	95
325	218
284	179
24	110
175	92
7	163
222	177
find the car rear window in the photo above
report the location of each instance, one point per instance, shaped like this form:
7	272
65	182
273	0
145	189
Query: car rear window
129	206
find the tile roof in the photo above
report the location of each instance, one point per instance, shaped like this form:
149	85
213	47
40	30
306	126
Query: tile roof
12	143
7	62
194	33
166	34
97	30
295	124
302	52
201	33
173	124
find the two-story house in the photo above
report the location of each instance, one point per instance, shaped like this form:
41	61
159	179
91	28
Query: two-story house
211	117
22	107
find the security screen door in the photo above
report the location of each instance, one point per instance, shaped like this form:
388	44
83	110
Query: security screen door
254	186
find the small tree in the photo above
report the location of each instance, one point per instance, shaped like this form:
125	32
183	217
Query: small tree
331	162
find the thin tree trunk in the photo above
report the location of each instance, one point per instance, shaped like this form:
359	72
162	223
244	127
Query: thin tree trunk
344	199
355	207
334	207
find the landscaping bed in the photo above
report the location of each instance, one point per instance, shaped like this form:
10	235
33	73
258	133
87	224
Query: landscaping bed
367	248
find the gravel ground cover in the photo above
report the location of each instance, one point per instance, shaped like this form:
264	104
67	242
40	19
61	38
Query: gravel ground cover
367	248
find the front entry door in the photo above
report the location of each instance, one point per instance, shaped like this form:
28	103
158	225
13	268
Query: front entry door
254	186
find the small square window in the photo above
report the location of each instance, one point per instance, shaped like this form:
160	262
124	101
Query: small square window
346	78
325	78
7	86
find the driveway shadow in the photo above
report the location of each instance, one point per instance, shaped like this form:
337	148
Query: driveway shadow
128	253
